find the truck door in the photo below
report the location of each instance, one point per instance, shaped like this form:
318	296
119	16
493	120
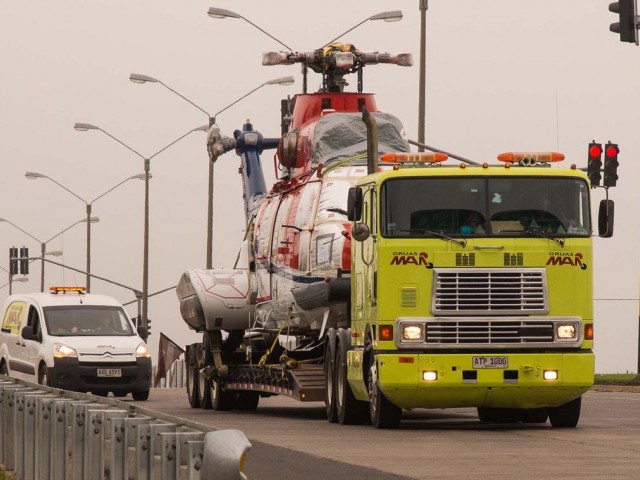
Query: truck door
365	261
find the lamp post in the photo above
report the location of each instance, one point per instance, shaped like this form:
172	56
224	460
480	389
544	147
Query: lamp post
139	78
221	13
43	245
35	176
423	6
83	127
391	16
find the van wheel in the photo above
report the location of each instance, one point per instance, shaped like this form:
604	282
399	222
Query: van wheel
3	369
140	396
43	376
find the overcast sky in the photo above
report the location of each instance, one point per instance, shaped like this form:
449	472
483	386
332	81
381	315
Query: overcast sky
502	75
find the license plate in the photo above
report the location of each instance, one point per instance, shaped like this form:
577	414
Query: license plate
490	362
109	372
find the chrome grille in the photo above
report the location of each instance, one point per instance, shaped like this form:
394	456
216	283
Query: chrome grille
460	291
469	331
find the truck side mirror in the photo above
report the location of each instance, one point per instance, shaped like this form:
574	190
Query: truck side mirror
360	232
354	204
605	218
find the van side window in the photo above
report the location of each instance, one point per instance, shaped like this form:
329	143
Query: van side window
34	320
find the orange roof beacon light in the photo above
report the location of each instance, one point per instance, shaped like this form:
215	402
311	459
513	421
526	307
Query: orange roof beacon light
56	290
528	159
414	157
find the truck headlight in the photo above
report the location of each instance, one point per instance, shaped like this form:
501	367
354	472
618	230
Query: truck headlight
64	351
566	331
412	332
142	351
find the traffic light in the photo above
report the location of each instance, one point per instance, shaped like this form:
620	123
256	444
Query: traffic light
24	263
594	163
148	327
611	152
626	26
13	261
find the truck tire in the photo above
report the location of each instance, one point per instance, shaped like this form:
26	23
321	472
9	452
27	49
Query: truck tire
350	411
220	400
567	415
384	414
204	384
192	378
535	415
329	376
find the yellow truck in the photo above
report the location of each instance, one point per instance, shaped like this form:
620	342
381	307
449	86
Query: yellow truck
471	287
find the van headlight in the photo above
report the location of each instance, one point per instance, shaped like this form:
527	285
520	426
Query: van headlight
64	351
142	351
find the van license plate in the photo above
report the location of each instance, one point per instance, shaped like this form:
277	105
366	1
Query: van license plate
490	362
109	372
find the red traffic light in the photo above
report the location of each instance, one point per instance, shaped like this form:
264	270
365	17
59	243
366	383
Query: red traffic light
612	151
595	150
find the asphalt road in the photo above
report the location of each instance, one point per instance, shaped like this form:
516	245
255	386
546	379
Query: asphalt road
294	440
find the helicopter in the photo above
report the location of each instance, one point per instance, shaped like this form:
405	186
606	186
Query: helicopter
292	276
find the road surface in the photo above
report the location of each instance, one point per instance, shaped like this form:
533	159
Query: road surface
294	440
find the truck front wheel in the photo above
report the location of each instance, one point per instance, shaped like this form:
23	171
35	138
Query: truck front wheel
350	411
567	415
384	414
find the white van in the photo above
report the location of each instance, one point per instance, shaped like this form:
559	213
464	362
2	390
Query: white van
75	341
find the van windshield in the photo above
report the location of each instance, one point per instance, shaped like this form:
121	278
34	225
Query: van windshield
87	321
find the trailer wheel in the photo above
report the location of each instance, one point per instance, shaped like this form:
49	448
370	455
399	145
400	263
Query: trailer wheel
350	411
567	415
384	414
204	384
192	379
329	376
221	401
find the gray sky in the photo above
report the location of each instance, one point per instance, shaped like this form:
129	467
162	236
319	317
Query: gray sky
502	75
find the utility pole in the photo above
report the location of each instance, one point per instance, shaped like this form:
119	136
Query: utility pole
424	5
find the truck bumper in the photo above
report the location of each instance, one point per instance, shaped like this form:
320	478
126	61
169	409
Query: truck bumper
69	374
458	384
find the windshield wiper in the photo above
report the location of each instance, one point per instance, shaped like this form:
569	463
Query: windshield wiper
462	243
545	235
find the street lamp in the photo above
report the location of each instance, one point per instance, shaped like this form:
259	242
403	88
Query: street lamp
35	176
43	245
221	13
139	78
83	127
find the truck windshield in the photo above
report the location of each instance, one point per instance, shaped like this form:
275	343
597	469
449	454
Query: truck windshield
485	207
87	320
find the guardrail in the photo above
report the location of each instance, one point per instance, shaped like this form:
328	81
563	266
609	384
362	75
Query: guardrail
47	433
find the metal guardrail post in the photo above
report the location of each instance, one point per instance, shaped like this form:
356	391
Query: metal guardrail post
43	438
175	452
78	435
59	443
195	450
26	433
10	425
146	446
96	433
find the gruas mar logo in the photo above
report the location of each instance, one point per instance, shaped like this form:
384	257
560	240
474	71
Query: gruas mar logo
411	258
562	259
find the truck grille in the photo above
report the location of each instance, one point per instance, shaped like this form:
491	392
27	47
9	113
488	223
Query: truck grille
469	331
482	291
